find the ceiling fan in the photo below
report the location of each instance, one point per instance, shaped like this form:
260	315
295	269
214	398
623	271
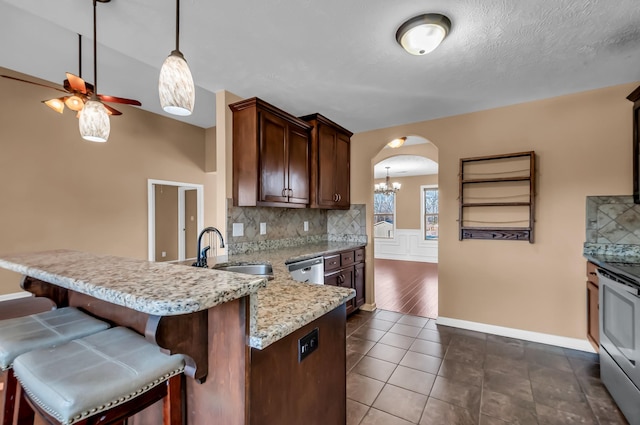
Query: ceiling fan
77	91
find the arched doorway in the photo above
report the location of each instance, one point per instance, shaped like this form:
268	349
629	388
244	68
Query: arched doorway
405	228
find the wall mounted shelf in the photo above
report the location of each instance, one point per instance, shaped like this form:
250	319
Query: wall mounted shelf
488	179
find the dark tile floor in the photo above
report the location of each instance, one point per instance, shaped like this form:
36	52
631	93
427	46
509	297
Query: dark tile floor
405	369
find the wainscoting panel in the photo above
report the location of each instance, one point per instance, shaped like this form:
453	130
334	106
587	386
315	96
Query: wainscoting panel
407	245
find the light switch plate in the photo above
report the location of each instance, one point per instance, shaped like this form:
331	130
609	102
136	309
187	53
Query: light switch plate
263	228
306	226
238	229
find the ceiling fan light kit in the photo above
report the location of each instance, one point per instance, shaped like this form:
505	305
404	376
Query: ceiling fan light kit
55	104
422	34
175	86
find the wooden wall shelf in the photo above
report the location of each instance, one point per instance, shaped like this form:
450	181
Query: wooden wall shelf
495	167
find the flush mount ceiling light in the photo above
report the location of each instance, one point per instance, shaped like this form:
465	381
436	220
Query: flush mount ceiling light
396	143
176	88
422	34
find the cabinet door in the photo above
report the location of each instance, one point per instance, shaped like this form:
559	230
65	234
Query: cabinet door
298	156
326	166
346	281
358	284
332	279
273	175
342	176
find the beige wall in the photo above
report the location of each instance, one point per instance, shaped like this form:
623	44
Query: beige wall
583	146
59	191
166	222
408	199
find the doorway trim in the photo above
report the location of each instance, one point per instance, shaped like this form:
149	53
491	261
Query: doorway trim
151	211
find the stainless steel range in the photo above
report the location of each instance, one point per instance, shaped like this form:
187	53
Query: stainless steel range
620	340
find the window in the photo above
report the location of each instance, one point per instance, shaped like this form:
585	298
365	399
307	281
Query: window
430	212
384	211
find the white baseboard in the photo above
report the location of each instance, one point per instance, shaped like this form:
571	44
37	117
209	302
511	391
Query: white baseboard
368	307
15	296
560	341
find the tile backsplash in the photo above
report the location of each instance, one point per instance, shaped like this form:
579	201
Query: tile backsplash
285	227
613	220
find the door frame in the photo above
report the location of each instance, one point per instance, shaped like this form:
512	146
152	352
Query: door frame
151	210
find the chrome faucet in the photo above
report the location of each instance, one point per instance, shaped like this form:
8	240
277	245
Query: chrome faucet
201	261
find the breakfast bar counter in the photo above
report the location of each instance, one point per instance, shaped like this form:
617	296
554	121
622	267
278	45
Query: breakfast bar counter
229	326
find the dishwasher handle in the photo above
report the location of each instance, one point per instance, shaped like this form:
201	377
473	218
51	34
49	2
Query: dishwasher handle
305	264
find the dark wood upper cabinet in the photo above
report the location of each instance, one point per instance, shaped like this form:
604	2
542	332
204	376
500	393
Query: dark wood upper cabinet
635	98
271	156
330	163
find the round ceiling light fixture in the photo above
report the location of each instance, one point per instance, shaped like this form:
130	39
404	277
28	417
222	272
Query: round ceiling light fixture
422	34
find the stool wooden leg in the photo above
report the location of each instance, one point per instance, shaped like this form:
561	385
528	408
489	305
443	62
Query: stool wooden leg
9	396
26	414
172	402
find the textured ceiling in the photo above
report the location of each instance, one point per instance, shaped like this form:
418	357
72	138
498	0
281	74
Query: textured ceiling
338	57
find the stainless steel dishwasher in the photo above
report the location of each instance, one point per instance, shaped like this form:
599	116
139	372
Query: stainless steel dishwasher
308	271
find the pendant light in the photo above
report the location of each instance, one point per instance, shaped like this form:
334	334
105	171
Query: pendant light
176	88
94	120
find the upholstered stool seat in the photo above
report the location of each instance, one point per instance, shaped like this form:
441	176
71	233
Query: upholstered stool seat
23	334
96	374
19	307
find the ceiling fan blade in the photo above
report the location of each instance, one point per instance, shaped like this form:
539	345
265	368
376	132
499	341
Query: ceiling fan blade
32	82
76	83
114	99
111	110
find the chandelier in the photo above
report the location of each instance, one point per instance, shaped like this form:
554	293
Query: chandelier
386	188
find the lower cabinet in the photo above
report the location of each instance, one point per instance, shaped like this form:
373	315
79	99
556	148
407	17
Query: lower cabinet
593	306
346	269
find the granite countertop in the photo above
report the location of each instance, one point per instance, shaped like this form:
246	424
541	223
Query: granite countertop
154	288
617	258
284	305
278	307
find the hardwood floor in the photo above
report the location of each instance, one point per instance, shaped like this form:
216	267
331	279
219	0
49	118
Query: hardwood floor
407	287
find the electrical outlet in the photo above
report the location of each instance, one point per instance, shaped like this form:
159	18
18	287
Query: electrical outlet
306	226
308	344
164	254
263	228
238	229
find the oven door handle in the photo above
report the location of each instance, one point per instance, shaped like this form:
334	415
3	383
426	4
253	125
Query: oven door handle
618	283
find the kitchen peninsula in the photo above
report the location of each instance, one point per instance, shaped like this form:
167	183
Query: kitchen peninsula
238	332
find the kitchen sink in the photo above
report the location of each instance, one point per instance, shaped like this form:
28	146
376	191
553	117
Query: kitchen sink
255	269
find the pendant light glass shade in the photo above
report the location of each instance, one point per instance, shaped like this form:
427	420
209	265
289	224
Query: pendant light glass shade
94	122
176	88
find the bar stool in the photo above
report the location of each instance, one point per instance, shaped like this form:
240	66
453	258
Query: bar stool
113	374
10	309
23	334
